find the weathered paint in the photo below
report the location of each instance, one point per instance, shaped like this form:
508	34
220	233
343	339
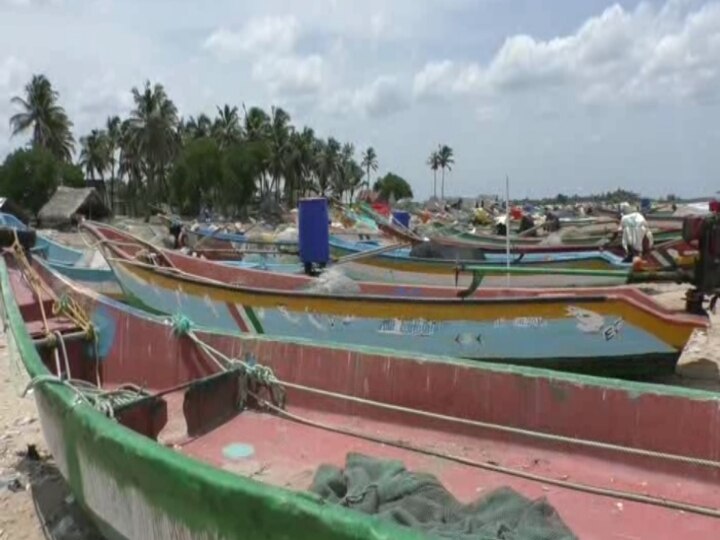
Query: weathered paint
436	329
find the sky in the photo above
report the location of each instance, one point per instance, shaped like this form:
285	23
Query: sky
562	96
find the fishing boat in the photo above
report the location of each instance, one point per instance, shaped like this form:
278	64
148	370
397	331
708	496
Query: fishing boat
403	258
216	244
87	267
165	429
618	330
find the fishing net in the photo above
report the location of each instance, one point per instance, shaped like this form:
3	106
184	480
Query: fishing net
333	281
418	500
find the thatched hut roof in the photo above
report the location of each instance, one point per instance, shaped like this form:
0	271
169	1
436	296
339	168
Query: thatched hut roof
67	202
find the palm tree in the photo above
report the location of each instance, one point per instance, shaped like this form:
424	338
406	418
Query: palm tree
302	163
279	146
153	131
48	120
345	162
112	130
226	128
257	124
369	163
130	163
94	154
446	161
327	166
434	163
196	128
350	172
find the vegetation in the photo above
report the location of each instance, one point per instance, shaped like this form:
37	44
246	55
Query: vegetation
30	176
369	163
610	197
445	160
155	155
41	114
442	158
392	186
434	163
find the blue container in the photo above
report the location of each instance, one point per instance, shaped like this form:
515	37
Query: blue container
314	231
403	218
645	204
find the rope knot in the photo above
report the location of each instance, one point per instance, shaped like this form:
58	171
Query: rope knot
181	324
63	303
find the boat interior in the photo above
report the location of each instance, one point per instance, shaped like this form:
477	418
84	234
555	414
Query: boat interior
275	410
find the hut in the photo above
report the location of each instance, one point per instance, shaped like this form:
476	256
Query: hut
66	204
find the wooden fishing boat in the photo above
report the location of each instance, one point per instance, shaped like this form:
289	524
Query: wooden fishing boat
402	258
556	242
73	263
220	245
371	280
164	429
571	329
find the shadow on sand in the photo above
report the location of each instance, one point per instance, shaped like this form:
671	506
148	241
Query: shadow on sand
702	374
60	516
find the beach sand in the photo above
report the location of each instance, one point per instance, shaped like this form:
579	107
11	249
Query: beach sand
34	497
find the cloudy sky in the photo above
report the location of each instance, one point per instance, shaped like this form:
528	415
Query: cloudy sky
570	96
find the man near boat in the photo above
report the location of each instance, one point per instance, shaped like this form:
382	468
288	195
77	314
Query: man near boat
637	238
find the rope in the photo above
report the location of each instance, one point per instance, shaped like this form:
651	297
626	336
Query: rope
576	486
103	401
69	307
32	278
183	326
61	341
258	375
65	305
509	429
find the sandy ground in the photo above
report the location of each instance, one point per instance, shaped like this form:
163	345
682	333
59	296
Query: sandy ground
35	502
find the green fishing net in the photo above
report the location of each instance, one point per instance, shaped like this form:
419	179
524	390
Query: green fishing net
387	489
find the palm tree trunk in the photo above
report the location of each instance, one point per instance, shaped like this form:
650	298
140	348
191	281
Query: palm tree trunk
112	187
442	186
435	183
102	180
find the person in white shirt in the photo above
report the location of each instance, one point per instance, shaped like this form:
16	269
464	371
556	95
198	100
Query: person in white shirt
637	237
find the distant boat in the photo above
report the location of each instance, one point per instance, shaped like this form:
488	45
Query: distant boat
71	262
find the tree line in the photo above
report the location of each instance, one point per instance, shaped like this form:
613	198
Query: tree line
154	156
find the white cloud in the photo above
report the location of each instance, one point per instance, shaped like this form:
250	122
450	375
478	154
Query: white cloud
12	71
435	79
632	56
381	97
259	36
378	24
269	44
290	74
